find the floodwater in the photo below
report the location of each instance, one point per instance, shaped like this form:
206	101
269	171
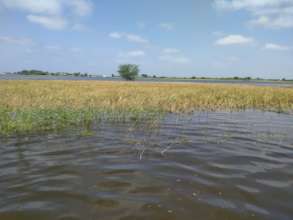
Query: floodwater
209	166
166	80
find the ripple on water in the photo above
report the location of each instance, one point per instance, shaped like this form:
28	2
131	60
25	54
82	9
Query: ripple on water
203	166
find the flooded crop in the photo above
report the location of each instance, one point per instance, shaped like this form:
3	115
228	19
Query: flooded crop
41	106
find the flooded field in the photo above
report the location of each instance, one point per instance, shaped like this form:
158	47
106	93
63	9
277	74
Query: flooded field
166	80
205	166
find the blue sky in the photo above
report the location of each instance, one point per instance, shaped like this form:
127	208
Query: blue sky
172	38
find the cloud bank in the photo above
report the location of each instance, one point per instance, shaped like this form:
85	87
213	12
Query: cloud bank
275	14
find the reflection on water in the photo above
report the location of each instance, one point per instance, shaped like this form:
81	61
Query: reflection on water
206	166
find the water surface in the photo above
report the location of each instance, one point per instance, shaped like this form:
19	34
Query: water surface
166	80
206	166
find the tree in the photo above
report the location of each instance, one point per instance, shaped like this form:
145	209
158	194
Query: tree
128	71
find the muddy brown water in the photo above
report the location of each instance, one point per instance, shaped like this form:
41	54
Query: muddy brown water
205	166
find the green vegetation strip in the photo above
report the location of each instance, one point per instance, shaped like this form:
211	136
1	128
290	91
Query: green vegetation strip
55	120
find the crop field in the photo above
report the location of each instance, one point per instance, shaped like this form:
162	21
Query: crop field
33	106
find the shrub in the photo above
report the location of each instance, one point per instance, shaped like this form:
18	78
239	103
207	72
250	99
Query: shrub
128	71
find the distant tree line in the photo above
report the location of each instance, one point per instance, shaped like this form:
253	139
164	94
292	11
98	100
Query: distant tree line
131	72
238	78
201	77
226	78
45	73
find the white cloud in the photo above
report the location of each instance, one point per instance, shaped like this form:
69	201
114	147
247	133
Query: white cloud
276	23
136	53
51	14
29	51
13	40
141	25
75	49
49	22
53	47
136	38
171	50
173	55
266	13
218	33
80	27
232	59
167	26
81	7
132	54
53	7
248	4
130	37
179	59
115	35
234	40
272	46
225	62
34	6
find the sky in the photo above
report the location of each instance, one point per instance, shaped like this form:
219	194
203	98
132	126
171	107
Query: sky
212	38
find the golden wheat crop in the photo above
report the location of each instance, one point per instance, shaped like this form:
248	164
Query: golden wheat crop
19	97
